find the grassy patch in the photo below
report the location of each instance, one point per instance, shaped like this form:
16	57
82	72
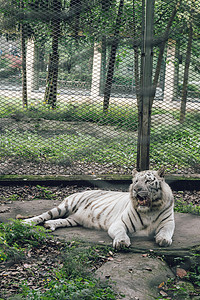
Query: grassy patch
177	146
119	116
83	133
182	207
69	275
44	193
15	236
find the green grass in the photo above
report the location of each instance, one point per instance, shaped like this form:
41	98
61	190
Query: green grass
182	207
178	147
112	142
72	279
75	289
16	238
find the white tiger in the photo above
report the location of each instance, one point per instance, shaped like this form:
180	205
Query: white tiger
148	206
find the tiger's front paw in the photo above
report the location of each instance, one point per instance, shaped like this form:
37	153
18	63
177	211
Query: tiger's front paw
119	243
50	225
163	241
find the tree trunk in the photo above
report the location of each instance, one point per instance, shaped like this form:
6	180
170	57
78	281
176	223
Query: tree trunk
105	4
52	76
139	97
75	7
162	48
136	57
144	112
111	64
186	74
147	88
24	80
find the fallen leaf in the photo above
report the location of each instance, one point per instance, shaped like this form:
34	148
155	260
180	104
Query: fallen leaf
163	294
23	217
3	210
130	270
26	266
161	285
110	258
14	273
181	272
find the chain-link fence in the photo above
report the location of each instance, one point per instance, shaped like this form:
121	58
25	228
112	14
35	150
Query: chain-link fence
99	87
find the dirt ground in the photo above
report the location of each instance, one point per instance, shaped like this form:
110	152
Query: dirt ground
29	192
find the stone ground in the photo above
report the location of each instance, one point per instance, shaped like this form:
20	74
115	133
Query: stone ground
137	274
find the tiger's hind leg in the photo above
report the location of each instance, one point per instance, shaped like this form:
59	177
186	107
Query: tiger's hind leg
54	224
56	212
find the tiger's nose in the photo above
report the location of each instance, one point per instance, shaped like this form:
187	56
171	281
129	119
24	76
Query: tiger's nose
138	189
141	191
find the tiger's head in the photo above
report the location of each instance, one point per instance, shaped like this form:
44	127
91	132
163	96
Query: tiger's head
147	190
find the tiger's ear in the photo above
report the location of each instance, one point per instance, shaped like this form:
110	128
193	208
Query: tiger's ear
161	172
134	172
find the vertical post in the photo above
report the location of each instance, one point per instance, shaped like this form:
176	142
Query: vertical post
111	64
24	80
146	88
170	71
96	72
103	63
176	71
32	82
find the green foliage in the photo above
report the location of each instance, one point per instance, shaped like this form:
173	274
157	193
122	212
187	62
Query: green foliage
176	146
73	280
13	197
22	234
195	275
4	62
182	207
43	192
77	288
83	257
16	235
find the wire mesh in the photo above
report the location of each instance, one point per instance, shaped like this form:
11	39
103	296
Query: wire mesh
99	87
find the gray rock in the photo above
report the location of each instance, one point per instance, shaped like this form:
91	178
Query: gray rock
135	276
